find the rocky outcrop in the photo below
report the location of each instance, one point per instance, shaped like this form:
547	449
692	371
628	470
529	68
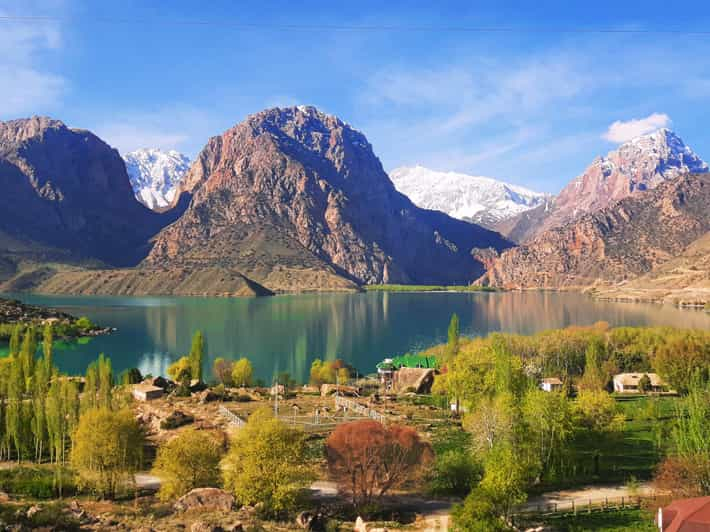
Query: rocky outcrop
616	244
634	168
205	499
67	198
293	197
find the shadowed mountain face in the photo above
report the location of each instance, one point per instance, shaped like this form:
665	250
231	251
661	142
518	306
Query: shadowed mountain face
67	197
618	243
293	189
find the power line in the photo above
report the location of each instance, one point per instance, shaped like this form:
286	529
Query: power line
371	28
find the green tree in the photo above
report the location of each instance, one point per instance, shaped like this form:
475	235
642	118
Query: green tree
644	383
477	513
197	355
15	339
547	418
593	378
47	346
28	351
505	478
189	460
455	473
266	463
242	372
107	450
181	370
222	370
452	343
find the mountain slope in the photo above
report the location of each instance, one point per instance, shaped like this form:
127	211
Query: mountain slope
67	192
155	175
620	242
481	200
294	193
634	168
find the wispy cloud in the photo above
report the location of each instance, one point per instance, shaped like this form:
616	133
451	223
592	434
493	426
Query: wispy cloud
621	131
28	86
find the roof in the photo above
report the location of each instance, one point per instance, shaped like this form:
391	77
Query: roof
146	388
552	380
687	515
632	379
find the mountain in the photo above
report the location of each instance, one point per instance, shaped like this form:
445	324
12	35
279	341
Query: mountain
633	168
67	198
481	200
629	238
295	199
155	175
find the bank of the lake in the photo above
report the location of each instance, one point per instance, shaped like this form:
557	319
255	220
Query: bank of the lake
286	332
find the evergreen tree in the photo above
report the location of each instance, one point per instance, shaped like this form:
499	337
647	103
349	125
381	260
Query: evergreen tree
197	355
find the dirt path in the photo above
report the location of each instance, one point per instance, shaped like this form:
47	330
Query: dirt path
584	494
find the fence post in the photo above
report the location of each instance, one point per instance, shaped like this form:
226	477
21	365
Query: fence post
606	503
589	506
574	508
622	502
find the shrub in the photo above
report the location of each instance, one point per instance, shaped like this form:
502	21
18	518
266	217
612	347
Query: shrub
454	472
33	482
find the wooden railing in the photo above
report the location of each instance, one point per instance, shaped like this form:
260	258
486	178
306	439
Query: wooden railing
233	418
577	506
349	405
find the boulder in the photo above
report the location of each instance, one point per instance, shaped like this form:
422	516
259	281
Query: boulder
32	511
205	498
330	389
206	396
175	420
311	521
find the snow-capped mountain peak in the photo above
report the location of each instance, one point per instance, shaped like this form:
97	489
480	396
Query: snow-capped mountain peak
479	199
155	175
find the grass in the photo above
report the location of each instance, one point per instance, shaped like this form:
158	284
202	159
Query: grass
617	521
633	452
426	288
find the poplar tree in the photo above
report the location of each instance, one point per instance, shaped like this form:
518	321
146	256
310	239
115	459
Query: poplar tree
15	340
47	346
452	344
105	384
197	355
28	350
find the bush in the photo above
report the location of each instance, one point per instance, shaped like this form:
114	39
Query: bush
175	420
454	472
34	482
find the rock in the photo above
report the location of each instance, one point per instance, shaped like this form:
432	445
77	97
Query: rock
4	497
205	498
32	511
207	396
235	527
360	525
201	526
311	521
175	420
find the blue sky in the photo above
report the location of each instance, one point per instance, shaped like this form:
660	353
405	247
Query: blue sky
530	107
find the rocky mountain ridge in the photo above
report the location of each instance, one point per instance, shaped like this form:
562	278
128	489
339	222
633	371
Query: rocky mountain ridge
613	245
293	191
635	167
478	199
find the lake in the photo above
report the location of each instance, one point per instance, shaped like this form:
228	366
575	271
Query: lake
285	333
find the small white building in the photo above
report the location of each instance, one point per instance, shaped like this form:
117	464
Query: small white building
146	392
551	384
629	382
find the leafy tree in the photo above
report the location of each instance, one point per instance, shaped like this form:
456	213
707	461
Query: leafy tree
189	460
330	372
242	372
491	422
222	370
84	324
368	460
644	383
682	357
477	514
181	370
107	449
197	355
15	340
47	345
593	378
547	418
266	463
452	343
597	411
28	351
455	472
505	478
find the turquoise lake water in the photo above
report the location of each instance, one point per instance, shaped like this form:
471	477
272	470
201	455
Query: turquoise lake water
285	333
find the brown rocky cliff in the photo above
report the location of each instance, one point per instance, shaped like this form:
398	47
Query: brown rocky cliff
295	187
618	243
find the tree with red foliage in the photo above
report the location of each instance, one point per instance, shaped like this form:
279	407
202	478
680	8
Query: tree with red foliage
368	459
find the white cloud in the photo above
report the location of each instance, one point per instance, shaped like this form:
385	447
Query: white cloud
28	87
621	131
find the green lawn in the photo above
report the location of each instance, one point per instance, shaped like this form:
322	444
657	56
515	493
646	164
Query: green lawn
617	521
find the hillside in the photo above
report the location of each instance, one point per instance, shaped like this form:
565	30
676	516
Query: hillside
292	195
618	243
634	168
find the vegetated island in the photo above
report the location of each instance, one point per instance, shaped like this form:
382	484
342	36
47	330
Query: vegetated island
428	288
14	313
